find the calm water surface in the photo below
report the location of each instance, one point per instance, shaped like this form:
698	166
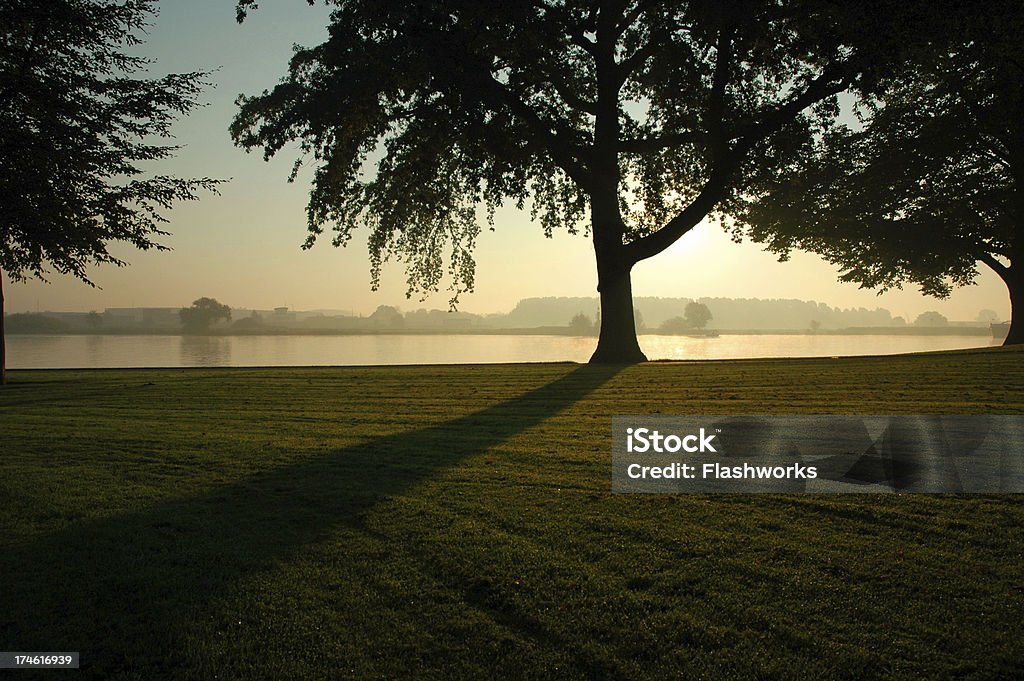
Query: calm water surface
59	352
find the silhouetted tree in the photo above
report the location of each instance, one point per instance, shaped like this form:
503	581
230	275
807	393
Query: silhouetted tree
931	318
697	315
636	118
674	325
94	320
931	182
987	316
203	313
252	323
387	317
581	325
75	129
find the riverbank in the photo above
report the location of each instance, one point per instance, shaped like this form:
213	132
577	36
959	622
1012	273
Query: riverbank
456	522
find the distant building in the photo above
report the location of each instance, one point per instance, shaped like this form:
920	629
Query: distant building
281	314
72	319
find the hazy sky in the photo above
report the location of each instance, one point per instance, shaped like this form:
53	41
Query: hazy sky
243	247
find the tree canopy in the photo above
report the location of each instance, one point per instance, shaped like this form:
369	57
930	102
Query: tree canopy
581	324
697	315
78	131
203	313
931	318
629	120
930	181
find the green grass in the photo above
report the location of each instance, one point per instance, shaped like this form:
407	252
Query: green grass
456	522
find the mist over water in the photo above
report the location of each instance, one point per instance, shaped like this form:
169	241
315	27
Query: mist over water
97	351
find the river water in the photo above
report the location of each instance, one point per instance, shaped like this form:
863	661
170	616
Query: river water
97	351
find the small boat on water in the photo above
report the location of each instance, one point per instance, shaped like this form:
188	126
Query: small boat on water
1000	329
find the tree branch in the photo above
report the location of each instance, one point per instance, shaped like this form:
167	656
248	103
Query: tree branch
649	144
575	33
656	242
990	260
571	98
243	6
580	40
831	81
627	66
998	147
634	14
723	162
995	153
716	100
562	151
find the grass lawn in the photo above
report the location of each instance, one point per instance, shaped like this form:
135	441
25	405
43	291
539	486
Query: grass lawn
457	522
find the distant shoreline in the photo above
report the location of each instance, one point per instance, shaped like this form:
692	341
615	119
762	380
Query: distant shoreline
534	331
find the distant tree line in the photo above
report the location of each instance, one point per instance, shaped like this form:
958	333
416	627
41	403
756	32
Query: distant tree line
728	313
578	316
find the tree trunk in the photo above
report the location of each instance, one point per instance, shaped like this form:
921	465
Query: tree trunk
617	343
3	341
1015	285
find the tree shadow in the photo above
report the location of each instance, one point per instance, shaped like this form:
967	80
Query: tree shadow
120	590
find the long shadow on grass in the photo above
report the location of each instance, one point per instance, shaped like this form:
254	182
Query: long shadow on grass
121	590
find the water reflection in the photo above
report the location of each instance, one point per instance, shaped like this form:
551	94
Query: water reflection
57	352
752	346
94	348
205	351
